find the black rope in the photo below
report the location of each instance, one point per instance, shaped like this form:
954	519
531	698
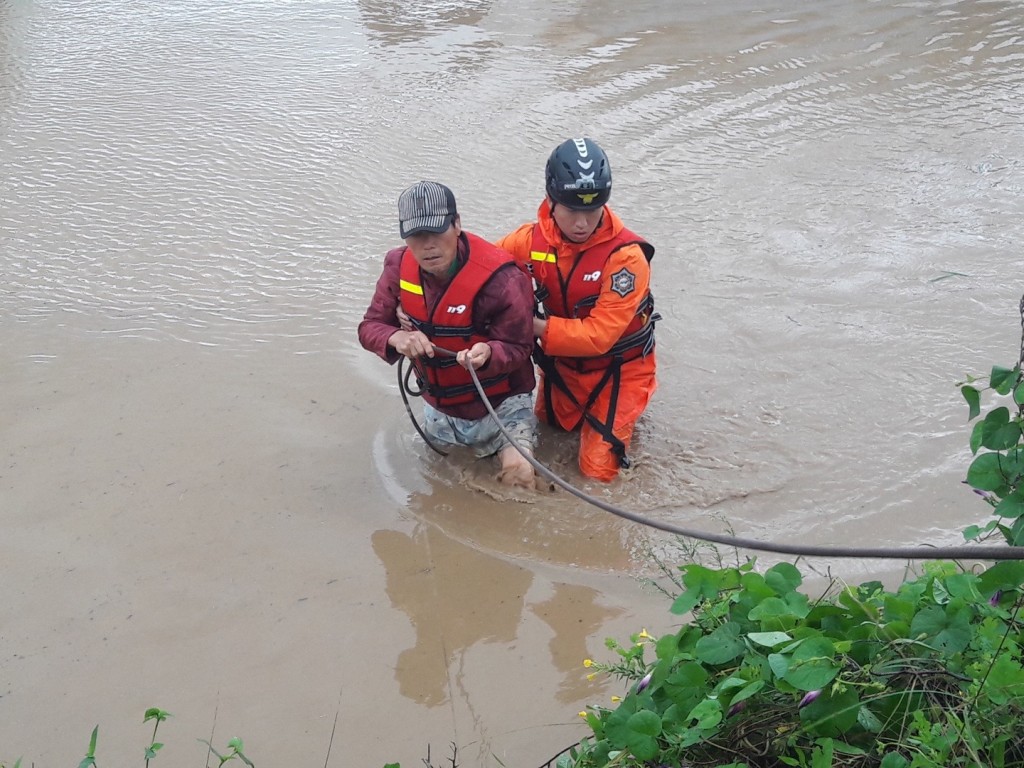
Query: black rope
926	552
406	390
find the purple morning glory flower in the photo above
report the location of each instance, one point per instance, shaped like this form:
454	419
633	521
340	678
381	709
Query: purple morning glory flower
644	682
808	698
994	600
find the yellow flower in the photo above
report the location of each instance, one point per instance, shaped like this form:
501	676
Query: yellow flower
616	698
643	634
583	714
588	663
592	675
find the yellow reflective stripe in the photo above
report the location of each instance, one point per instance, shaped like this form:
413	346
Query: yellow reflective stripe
542	256
411	287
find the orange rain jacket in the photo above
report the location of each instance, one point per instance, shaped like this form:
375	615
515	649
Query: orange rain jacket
566	338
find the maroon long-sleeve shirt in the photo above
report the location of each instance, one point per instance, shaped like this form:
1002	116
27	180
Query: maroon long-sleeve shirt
504	306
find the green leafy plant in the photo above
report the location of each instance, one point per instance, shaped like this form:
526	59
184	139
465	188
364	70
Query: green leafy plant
997	442
90	754
926	676
235	746
157	716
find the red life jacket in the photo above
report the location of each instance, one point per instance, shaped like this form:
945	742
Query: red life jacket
576	296
450	324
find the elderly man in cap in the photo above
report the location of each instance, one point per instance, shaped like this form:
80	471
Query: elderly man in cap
466	296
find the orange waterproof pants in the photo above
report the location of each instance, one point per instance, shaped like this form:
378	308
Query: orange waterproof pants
637	384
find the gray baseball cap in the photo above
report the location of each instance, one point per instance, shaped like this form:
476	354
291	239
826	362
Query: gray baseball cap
425	207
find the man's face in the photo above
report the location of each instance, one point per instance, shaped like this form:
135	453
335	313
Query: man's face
435	251
577	226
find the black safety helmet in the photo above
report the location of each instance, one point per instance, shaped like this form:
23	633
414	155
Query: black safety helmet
578	175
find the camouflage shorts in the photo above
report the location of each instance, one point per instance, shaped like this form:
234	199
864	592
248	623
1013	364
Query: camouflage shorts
483	435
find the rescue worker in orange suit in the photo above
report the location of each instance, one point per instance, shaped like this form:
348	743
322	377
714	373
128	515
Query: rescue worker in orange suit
461	293
596	335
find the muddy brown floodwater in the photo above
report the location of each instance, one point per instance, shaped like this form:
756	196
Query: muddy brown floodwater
212	500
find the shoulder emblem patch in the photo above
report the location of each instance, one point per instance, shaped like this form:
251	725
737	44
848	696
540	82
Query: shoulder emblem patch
623	282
